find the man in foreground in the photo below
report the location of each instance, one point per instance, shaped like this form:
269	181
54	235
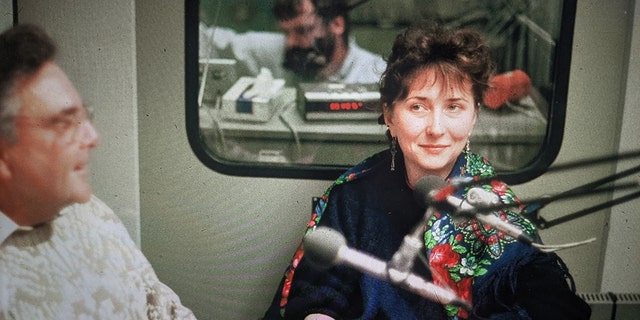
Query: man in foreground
64	254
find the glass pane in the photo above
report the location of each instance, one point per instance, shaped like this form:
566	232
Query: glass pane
247	115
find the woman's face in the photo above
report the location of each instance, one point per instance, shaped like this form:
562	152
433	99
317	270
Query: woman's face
432	123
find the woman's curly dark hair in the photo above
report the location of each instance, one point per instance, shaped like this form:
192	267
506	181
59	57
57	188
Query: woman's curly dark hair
462	54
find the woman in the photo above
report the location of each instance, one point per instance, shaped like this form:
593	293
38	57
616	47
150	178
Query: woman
430	93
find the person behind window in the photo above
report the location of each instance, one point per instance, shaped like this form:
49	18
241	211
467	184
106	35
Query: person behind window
314	45
430	94
64	254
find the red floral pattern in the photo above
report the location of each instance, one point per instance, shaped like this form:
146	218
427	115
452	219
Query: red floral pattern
461	251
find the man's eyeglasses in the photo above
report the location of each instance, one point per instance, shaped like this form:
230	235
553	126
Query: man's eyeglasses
65	124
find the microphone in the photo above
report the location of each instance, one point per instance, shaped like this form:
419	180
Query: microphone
431	190
401	262
325	247
434	191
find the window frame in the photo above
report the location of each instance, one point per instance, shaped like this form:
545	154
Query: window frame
539	165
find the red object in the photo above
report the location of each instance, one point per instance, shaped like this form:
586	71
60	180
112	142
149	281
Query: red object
505	87
442	195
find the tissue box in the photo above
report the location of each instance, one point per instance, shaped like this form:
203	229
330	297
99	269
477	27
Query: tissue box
259	108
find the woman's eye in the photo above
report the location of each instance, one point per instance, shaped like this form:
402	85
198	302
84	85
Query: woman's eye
417	107
454	107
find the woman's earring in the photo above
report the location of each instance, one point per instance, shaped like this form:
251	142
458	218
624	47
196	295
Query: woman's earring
394	150
467	151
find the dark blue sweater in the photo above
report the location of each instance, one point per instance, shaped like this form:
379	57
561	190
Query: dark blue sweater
374	209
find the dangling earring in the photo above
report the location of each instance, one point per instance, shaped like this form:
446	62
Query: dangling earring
394	150
467	152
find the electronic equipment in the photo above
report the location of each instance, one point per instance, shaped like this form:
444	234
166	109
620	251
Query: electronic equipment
221	74
253	100
339	101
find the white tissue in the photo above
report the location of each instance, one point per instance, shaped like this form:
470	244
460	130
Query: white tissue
262	85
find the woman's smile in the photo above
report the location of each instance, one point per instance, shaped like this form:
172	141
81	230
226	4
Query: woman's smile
433	148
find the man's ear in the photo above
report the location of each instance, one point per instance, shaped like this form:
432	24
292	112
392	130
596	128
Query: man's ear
5	172
337	25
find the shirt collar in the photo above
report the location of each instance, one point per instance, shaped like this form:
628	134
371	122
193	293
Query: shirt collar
347	64
8	227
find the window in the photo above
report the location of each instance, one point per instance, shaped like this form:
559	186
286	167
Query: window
318	130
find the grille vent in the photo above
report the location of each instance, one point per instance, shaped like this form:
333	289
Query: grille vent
601	305
613	306
628	306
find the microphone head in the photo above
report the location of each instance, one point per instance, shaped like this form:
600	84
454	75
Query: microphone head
424	187
321	247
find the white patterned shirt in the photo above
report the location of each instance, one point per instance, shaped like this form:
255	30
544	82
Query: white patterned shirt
82	265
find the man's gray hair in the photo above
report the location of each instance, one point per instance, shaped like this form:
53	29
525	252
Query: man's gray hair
24	49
